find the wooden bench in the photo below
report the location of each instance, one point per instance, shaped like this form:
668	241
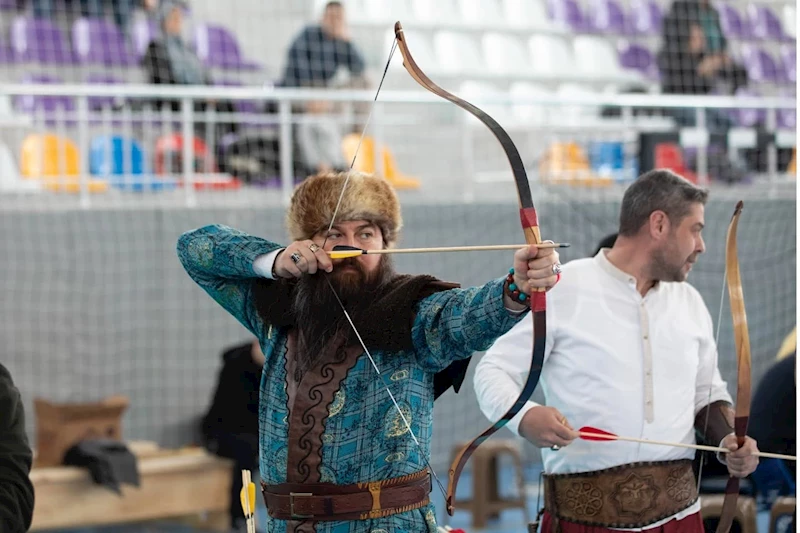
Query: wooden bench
188	485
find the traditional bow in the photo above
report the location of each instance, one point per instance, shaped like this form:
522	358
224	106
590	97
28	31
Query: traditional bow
742	340
530	226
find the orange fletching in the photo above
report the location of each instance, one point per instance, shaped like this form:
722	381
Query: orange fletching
590	433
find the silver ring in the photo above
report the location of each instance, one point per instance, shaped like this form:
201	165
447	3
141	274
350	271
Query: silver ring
313	247
295	257
557	268
555	447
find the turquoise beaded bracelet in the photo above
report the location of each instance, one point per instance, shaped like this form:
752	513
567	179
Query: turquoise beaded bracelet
513	291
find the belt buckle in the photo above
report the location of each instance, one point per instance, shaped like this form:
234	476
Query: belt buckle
291	505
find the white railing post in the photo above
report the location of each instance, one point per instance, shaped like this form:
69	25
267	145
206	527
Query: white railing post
287	166
188	151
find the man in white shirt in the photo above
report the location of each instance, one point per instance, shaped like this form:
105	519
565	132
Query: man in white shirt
629	349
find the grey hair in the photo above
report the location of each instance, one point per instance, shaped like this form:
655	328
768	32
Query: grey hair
658	190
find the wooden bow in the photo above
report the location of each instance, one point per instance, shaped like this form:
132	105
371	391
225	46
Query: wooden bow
530	226
742	340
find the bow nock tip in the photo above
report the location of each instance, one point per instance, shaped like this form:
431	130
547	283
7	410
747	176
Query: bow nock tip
397	27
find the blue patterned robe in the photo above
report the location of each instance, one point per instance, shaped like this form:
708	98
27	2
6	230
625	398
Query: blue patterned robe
365	438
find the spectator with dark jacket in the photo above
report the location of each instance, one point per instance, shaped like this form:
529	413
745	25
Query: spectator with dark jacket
230	428
694	59
16	459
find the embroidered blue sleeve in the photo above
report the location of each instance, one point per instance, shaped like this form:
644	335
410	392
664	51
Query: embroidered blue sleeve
453	324
220	260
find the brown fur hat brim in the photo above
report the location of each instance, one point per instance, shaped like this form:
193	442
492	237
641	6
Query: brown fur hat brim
366	197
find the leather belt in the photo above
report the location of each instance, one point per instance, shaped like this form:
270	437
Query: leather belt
357	501
626	496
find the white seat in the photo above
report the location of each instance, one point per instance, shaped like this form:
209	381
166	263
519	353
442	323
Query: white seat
595	57
526	13
476	92
504	54
575	114
420	46
550	56
436	12
458	53
10	180
532	114
790	19
481	12
379	11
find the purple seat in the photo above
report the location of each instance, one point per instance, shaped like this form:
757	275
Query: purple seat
216	47
789	60
637	57
787	119
11	5
764	24
50	105
40	41
734	25
242	106
607	16
761	67
142	33
568	12
747	117
645	17
7	55
100	42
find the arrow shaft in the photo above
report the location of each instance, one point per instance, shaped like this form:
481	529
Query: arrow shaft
684	445
340	254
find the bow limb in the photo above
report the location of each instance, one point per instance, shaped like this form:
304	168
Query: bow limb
530	226
742	341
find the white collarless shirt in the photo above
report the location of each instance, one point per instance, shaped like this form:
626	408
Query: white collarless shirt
638	366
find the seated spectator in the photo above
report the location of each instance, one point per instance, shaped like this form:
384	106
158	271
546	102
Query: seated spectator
168	60
694	59
230	427
314	59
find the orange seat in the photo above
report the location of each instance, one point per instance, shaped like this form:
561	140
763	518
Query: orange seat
55	162
567	163
365	162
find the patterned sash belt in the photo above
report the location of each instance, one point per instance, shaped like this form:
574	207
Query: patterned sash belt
626	496
358	501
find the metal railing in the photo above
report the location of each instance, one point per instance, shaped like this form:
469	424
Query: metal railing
286	116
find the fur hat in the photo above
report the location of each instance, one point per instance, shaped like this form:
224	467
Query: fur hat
367	197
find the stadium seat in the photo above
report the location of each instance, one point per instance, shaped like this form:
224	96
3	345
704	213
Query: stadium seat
525	13
481	13
7	54
40	41
637	57
108	159
52	108
764	23
55	161
566	163
670	156
789	62
530	114
745	517
504	54
10	180
783	514
761	66
425	11
595	57
734	25
169	160
218	48
550	56
366	161
568	14
607	16
100	42
645	17
458	53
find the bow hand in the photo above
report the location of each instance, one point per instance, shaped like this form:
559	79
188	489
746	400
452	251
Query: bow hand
741	460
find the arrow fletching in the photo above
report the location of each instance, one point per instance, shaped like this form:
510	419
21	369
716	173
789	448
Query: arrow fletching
595	434
343	252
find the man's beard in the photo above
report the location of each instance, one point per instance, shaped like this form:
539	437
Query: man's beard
664	266
318	315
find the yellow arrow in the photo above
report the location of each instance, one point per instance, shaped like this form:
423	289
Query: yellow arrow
248	498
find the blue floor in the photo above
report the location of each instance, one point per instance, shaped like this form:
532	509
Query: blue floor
511	521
